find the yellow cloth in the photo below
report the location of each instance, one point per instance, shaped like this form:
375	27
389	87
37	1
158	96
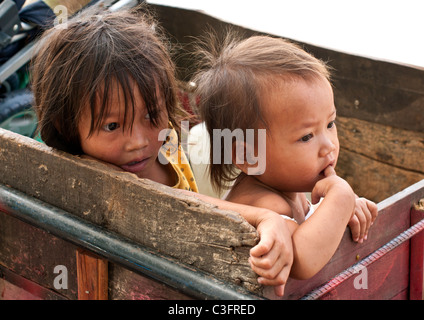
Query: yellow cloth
174	155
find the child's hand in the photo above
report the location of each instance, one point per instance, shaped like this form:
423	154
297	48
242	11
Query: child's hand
363	217
272	257
331	183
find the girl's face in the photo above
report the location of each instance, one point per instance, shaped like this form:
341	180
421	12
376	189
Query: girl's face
133	150
302	136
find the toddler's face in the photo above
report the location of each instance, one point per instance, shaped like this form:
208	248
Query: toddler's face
302	137
134	150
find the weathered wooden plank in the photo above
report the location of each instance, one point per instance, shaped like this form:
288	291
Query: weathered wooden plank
403	149
385	279
33	254
127	285
379	91
15	287
151	214
373	179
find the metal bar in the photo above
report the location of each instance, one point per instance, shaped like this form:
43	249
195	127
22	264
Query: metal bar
118	249
17	61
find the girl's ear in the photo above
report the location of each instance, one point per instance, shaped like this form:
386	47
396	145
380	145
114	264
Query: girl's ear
57	126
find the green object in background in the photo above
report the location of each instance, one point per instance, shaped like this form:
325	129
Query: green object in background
23	122
17	114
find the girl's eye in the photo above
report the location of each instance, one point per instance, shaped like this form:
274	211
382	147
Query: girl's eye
111	126
306	138
147	116
331	124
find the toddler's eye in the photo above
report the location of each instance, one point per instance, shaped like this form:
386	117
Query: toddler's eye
331	124
306	138
111	126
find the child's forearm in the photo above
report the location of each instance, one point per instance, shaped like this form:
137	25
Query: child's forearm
253	215
316	240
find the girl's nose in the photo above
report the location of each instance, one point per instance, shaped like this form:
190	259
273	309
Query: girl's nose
136	138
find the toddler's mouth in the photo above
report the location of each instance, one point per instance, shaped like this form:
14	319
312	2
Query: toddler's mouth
322	172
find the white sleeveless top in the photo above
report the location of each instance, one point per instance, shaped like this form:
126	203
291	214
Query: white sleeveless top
312	208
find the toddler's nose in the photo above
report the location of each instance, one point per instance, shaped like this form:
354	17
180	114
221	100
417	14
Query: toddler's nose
328	146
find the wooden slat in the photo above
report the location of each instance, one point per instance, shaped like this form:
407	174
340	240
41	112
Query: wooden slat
33	254
373	179
92	272
396	147
385	279
15	287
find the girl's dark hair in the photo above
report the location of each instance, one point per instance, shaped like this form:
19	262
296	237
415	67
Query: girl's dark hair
233	78
83	61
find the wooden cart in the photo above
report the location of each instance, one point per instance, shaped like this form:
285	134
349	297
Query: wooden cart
71	228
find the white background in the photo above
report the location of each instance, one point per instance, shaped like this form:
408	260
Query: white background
390	30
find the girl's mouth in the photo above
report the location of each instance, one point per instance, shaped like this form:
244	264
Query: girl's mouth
135	166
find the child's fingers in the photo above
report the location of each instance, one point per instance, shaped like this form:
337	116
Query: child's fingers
271	265
372	207
277	276
329	171
355	228
279	280
279	290
364	209
262	248
265	264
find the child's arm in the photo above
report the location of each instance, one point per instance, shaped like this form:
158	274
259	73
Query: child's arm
316	240
272	257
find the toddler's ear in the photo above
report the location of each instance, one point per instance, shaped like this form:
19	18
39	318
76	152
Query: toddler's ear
247	159
239	155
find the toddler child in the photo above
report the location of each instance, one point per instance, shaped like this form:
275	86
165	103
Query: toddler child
271	85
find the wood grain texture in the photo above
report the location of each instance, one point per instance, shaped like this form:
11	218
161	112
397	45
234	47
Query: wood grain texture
373	179
195	232
403	149
33	254
92	276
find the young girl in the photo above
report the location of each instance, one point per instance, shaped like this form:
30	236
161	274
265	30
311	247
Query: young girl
104	87
265	83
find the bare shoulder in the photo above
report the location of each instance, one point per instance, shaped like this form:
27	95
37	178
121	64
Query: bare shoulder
250	192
